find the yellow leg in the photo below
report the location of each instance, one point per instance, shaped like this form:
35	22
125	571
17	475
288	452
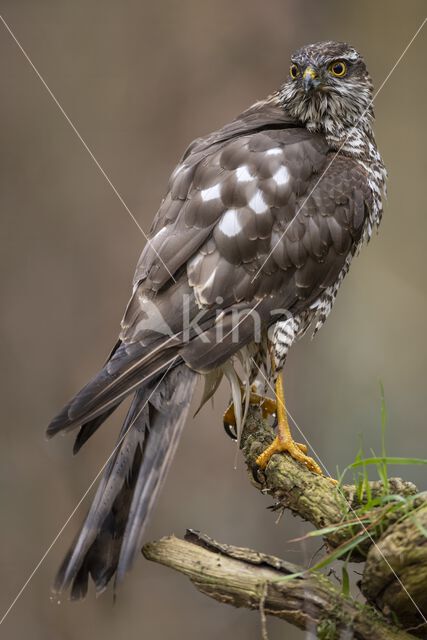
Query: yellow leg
284	441
268	407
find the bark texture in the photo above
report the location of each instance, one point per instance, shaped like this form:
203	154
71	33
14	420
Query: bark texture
394	579
245	578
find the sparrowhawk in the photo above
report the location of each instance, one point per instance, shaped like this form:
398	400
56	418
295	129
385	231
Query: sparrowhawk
248	249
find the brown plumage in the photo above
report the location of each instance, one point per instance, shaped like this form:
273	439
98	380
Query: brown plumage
261	216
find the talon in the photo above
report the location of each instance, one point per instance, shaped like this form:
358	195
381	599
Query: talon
230	430
284	443
296	451
267	405
229	421
255	469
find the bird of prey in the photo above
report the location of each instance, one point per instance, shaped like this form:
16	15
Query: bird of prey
260	222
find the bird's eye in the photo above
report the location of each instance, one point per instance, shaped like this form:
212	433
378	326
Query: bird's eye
294	71
338	69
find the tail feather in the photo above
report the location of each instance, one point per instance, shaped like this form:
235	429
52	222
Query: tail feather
89	428
112	531
129	367
169	411
102	520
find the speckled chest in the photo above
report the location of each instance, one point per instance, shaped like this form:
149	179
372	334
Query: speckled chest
363	149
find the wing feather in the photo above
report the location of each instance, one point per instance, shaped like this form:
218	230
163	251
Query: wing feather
246	218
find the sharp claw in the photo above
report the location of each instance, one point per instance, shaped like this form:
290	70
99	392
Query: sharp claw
230	430
267	406
255	469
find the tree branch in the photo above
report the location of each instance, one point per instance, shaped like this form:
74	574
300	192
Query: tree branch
316	499
246	578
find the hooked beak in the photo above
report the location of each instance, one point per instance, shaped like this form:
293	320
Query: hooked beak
310	79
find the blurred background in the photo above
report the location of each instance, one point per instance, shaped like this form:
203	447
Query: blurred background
140	80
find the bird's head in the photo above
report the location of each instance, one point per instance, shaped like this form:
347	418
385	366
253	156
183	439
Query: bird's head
328	87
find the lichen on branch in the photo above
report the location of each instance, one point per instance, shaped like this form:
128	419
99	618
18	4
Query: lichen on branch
394	579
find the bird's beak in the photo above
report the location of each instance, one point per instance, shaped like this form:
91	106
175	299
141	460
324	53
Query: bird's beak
310	79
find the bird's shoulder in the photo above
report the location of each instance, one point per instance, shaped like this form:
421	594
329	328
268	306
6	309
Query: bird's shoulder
263	146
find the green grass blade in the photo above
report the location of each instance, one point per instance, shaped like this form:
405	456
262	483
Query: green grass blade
387	460
340	551
383	500
331	529
345	581
292	576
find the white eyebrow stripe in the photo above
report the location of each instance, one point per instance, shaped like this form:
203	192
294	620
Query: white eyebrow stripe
229	223
211	193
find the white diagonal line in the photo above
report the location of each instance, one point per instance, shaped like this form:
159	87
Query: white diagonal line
58	535
345	498
85	145
322	175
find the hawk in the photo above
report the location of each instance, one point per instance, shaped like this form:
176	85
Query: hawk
260	222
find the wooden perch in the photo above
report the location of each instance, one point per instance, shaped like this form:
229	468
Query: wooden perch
246	578
400	548
316	499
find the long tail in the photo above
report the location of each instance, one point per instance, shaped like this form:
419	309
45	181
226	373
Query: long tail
112	532
127	369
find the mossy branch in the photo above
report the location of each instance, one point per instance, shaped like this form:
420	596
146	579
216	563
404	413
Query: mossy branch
246	578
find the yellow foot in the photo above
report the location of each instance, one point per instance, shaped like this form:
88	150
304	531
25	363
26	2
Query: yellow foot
268	407
296	450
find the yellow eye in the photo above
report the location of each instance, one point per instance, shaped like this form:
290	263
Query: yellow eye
338	69
294	71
